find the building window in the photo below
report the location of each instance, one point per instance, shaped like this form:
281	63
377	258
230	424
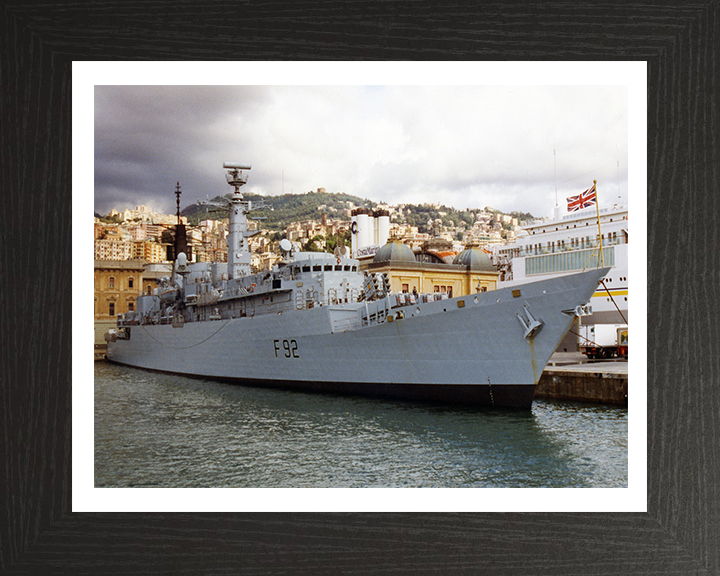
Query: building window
112	309
130	282
111	280
405	287
131	306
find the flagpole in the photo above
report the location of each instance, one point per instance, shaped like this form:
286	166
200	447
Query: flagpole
555	161
597	205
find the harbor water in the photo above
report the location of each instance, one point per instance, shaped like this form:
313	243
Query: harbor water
161	430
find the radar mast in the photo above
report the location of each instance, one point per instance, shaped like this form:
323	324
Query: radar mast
239	258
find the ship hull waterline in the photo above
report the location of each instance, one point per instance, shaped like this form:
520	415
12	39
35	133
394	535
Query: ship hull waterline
471	350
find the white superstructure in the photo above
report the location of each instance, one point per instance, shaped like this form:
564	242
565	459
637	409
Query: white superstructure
570	243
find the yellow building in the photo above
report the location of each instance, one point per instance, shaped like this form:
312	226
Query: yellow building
117	285
471	271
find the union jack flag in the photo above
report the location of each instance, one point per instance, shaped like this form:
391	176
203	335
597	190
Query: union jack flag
581	201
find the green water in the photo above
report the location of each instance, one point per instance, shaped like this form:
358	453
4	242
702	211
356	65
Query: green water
169	431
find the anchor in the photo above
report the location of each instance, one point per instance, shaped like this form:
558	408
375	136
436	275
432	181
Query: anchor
532	326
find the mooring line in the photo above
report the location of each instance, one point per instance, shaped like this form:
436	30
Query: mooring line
186	347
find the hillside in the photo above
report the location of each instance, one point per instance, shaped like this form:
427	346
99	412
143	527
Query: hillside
288	208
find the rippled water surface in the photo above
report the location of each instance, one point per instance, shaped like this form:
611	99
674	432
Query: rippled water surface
169	431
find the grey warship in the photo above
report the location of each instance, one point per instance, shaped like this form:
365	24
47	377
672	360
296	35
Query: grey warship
315	322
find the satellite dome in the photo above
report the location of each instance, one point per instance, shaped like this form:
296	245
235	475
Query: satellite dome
475	259
395	251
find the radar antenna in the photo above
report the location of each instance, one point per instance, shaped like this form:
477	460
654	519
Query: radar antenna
177	195
235	176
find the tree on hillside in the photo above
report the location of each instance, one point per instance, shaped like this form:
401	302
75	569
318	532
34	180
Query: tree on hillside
314	244
333	241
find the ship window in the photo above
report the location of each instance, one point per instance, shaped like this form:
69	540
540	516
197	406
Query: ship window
575	260
316	268
328	267
347	268
338	268
354	268
306	268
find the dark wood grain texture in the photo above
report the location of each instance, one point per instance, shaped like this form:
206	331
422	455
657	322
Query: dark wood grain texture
680	533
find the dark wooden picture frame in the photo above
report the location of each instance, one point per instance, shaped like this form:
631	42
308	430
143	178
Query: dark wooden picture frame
38	531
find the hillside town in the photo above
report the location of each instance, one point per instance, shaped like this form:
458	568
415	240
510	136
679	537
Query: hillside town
143	234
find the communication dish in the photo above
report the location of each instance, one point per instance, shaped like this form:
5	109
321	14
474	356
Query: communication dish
285	245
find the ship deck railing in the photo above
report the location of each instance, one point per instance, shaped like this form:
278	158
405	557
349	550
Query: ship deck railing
346	324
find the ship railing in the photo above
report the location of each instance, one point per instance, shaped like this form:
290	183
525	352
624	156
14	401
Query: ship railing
346	324
372	317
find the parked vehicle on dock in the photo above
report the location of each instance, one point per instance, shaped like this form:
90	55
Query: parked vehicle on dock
604	341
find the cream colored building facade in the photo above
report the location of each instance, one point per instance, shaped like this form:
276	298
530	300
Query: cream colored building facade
470	272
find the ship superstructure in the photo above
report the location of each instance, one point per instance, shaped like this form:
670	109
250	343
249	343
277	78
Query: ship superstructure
315	322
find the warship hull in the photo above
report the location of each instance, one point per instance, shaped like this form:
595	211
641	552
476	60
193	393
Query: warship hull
481	349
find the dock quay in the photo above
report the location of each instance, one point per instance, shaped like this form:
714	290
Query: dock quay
571	376
100	351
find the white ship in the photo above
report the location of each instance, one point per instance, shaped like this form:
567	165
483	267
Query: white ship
314	322
570	243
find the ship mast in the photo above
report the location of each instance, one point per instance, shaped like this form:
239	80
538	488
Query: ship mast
180	243
239	258
177	196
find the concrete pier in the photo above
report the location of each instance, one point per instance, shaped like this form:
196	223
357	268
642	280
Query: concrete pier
570	376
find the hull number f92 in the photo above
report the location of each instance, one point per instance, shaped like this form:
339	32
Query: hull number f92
288	348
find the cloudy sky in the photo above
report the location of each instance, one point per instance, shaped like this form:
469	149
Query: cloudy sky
508	147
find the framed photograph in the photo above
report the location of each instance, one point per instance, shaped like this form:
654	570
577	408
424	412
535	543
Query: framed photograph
58	520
